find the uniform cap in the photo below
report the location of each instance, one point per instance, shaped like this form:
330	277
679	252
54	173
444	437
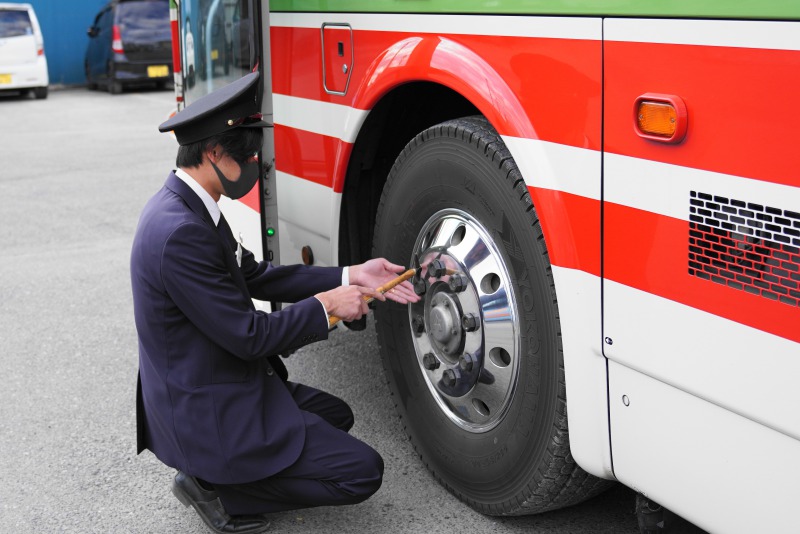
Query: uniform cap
232	106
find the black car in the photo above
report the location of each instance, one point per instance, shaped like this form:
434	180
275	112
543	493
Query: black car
130	43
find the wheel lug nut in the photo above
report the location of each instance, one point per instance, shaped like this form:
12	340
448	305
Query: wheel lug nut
420	286
418	324
430	362
470	322
466	362
450	377
458	282
437	268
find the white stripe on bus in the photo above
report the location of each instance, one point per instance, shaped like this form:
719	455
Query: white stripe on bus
559	167
664	189
772	35
497	25
323	118
777	35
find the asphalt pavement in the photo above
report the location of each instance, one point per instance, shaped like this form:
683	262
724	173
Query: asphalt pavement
75	171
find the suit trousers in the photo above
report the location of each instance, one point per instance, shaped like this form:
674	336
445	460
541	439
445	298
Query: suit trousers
334	468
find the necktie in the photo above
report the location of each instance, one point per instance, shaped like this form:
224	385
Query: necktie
227	237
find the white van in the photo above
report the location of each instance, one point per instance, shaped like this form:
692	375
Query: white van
23	66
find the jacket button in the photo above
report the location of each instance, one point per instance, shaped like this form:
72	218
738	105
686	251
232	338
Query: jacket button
270	372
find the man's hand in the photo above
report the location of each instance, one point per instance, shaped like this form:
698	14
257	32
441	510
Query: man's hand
347	302
377	272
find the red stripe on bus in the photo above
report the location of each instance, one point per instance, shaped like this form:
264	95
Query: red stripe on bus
650	252
571	226
308	155
252	200
176	52
742	112
538	88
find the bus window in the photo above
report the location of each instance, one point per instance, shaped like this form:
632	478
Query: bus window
218	44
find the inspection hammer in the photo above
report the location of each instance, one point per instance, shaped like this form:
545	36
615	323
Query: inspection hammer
332	320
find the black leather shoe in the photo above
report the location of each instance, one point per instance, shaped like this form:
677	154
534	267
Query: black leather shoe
208	506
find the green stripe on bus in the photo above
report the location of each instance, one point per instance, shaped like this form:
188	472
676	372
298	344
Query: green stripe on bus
719	9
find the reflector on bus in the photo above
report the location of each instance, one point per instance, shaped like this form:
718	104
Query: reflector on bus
660	117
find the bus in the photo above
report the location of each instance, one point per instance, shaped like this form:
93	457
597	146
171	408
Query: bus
604	196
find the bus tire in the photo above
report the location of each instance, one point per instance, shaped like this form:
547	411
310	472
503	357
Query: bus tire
483	401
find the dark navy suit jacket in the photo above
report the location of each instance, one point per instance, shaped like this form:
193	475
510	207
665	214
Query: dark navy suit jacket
209	400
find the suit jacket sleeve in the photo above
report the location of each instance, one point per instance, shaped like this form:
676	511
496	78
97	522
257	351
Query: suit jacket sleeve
287	283
197	279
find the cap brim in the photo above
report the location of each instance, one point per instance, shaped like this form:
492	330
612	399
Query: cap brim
257	124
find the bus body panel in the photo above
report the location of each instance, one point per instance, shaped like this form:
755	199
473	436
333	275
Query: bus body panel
702	267
721	471
711	223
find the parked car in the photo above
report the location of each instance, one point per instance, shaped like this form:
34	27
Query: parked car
23	65
130	43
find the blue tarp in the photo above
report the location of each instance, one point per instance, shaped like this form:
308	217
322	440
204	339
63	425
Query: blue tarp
64	24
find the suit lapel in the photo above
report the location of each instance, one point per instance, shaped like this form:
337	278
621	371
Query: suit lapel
230	245
194	202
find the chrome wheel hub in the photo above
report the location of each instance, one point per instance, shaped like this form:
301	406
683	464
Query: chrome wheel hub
444	320
465	331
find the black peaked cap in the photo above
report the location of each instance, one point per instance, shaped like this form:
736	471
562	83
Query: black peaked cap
231	106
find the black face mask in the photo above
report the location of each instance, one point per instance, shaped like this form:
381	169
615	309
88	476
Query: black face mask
242	186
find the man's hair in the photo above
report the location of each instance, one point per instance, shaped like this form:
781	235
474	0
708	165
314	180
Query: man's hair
239	143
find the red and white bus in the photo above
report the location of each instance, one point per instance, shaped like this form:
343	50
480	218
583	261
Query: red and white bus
616	185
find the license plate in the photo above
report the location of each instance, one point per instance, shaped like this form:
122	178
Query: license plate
5	79
215	54
158	71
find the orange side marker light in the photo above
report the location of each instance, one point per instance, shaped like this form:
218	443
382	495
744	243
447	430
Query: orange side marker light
659	117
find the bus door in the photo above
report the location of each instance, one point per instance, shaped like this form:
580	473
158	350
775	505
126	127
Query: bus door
221	41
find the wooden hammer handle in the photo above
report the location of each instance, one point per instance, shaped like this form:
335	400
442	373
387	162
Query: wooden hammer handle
388	286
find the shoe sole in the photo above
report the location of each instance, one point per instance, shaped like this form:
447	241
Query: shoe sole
181	495
184	499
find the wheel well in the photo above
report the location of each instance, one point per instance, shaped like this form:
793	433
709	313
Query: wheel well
392	123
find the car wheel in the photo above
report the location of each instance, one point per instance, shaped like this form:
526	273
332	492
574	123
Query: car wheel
90	84
476	367
114	87
40	92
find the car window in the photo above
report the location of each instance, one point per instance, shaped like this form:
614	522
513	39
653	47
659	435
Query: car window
145	15
104	20
14	22
99	18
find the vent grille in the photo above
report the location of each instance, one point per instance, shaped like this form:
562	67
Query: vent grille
745	246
